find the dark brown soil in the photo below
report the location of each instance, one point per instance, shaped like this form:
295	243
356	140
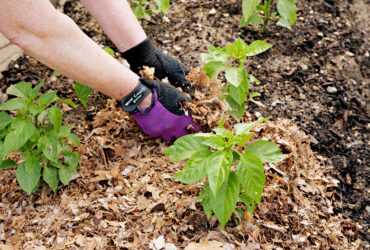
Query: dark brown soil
329	47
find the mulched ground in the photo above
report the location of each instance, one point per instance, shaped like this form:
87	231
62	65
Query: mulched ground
124	197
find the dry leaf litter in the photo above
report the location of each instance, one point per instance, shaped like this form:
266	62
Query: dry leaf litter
124	197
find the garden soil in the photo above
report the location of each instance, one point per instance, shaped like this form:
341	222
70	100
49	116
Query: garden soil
314	84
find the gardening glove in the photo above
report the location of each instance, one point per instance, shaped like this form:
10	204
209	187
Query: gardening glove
146	54
165	117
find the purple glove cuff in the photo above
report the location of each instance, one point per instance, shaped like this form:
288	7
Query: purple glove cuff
159	122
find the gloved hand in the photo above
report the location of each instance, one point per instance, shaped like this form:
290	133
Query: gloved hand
146	54
165	117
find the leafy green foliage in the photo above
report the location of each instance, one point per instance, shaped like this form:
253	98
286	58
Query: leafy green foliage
82	93
36	132
257	12
143	9
231	59
214	155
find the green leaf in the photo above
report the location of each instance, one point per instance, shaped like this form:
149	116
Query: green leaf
218	167
163	5
248	202
213	68
205	197
234	76
252	179
6	164
255	19
244	128
28	178
5	120
82	93
13	104
41	117
284	23
257	47
36	89
56	73
55	117
223	132
49	147
215	54
71	159
66	173
266	151
251	174
23	130
185	147
215	142
239	94
65	132
47	99
21	89
68	102
243	22
287	10
249	8
253	79
195	169
253	95
237	49
242	139
50	176
224	203
236	110
109	50
74	139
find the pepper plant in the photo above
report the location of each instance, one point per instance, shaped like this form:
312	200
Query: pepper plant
232	164
143	9
231	59
259	12
37	134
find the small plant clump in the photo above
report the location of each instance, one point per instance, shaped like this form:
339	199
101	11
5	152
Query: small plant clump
259	13
231	59
143	9
233	166
36	133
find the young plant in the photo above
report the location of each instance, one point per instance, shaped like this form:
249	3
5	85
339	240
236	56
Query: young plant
231	59
143	9
233	166
36	132
257	13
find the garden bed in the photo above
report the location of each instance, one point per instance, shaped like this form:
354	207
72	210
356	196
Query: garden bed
314	82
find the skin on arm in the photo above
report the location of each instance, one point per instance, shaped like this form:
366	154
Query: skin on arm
118	22
123	28
55	40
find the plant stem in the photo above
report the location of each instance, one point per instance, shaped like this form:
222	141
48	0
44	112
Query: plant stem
267	12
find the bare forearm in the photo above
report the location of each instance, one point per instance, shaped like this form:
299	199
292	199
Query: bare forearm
118	22
55	40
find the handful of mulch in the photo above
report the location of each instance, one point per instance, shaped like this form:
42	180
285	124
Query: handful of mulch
207	108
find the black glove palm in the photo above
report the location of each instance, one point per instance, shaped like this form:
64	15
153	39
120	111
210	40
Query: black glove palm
145	54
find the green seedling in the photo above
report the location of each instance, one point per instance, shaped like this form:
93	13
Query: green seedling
231	59
259	13
37	134
143	9
232	164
